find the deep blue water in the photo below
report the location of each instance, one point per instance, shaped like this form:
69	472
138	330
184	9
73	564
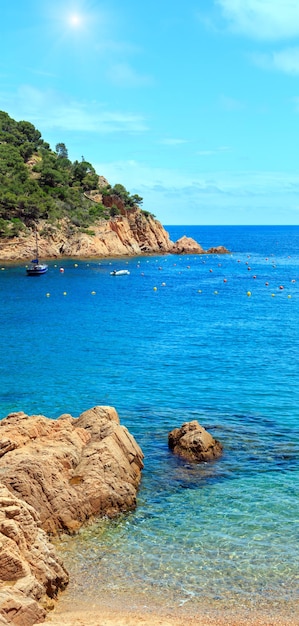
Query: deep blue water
196	347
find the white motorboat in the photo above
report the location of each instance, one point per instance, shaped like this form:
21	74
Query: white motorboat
119	272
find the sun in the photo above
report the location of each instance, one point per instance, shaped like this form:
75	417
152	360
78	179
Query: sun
75	20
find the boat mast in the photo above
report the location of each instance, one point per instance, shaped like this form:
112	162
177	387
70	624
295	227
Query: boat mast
36	243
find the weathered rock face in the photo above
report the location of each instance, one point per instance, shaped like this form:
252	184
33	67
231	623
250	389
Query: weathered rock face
55	475
125	235
70	469
194	443
31	573
130	234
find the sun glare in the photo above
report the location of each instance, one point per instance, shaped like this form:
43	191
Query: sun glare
75	20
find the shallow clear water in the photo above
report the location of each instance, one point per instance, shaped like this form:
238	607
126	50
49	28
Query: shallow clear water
200	348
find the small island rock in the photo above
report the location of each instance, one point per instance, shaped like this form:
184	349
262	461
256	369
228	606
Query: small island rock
187	245
192	442
218	250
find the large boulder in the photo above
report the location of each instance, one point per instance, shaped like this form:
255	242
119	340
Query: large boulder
55	475
31	573
192	442
70	469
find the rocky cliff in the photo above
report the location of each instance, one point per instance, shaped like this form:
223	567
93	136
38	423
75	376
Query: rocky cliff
130	234
55	475
123	235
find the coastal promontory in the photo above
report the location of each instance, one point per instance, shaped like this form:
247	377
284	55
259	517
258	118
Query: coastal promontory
66	209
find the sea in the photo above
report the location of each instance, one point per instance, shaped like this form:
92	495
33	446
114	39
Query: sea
213	338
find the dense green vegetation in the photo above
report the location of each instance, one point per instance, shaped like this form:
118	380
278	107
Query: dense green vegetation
37	183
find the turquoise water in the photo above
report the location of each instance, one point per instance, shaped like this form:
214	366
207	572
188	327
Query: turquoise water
197	347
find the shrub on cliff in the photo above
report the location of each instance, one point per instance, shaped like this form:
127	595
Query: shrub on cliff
37	183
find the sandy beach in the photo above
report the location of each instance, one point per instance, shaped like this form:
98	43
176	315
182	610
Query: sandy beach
118	611
98	617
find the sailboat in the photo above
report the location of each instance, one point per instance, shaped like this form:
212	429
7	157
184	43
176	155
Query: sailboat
36	268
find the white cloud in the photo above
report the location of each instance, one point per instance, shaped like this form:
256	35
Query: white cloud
230	183
286	61
50	110
218	197
262	19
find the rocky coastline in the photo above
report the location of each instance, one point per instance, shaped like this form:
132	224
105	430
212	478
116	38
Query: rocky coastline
56	475
131	234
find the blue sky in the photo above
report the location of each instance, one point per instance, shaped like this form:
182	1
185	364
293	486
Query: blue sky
193	105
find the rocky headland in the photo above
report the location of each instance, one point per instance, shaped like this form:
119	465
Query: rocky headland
130	234
55	475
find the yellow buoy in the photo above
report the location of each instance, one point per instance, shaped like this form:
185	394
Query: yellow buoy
48	295
199	291
216	292
249	293
273	295
289	296
64	293
75	264
155	288
93	293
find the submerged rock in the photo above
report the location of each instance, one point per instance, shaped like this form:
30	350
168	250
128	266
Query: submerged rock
194	443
